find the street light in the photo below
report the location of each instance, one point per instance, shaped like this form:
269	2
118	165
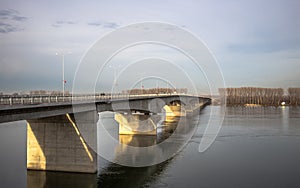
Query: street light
142	86
63	70
115	68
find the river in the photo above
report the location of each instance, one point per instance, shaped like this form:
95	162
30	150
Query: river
256	147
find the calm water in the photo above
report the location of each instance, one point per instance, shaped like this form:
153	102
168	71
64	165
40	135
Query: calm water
256	147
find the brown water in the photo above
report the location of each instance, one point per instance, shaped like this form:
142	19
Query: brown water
256	147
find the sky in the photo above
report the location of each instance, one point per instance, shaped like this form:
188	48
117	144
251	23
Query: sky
255	43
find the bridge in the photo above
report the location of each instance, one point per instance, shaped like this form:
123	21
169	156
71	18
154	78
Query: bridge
55	141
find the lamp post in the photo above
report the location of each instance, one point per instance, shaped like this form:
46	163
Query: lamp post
142	86
63	74
115	68
157	86
63	71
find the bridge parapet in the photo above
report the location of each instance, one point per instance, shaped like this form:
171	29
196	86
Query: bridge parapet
44	99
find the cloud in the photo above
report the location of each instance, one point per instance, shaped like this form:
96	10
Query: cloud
7	28
10	20
11	14
19	18
111	25
63	22
8	12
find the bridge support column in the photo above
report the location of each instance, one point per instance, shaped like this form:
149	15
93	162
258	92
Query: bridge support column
55	144
135	124
174	111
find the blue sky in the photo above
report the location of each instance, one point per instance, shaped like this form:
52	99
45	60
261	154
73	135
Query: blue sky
256	43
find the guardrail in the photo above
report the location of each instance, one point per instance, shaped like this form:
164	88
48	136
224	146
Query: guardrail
40	99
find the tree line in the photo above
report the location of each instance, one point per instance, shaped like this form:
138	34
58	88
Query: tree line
294	96
260	96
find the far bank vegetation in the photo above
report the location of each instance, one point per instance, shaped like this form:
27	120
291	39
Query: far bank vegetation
261	96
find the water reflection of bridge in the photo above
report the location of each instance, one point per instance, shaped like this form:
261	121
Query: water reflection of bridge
58	141
115	175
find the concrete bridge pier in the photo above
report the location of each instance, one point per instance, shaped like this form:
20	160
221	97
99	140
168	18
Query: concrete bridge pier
175	110
56	144
134	124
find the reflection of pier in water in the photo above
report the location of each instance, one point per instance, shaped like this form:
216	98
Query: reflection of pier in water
122	176
60	179
115	175
165	127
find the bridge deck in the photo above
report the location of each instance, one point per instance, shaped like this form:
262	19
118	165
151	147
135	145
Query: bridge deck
33	111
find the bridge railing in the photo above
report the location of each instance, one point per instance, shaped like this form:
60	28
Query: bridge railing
40	99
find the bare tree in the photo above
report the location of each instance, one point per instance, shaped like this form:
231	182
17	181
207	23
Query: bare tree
252	95
294	96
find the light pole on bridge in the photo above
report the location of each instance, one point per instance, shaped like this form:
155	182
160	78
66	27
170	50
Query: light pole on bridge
142	85
115	68
63	70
